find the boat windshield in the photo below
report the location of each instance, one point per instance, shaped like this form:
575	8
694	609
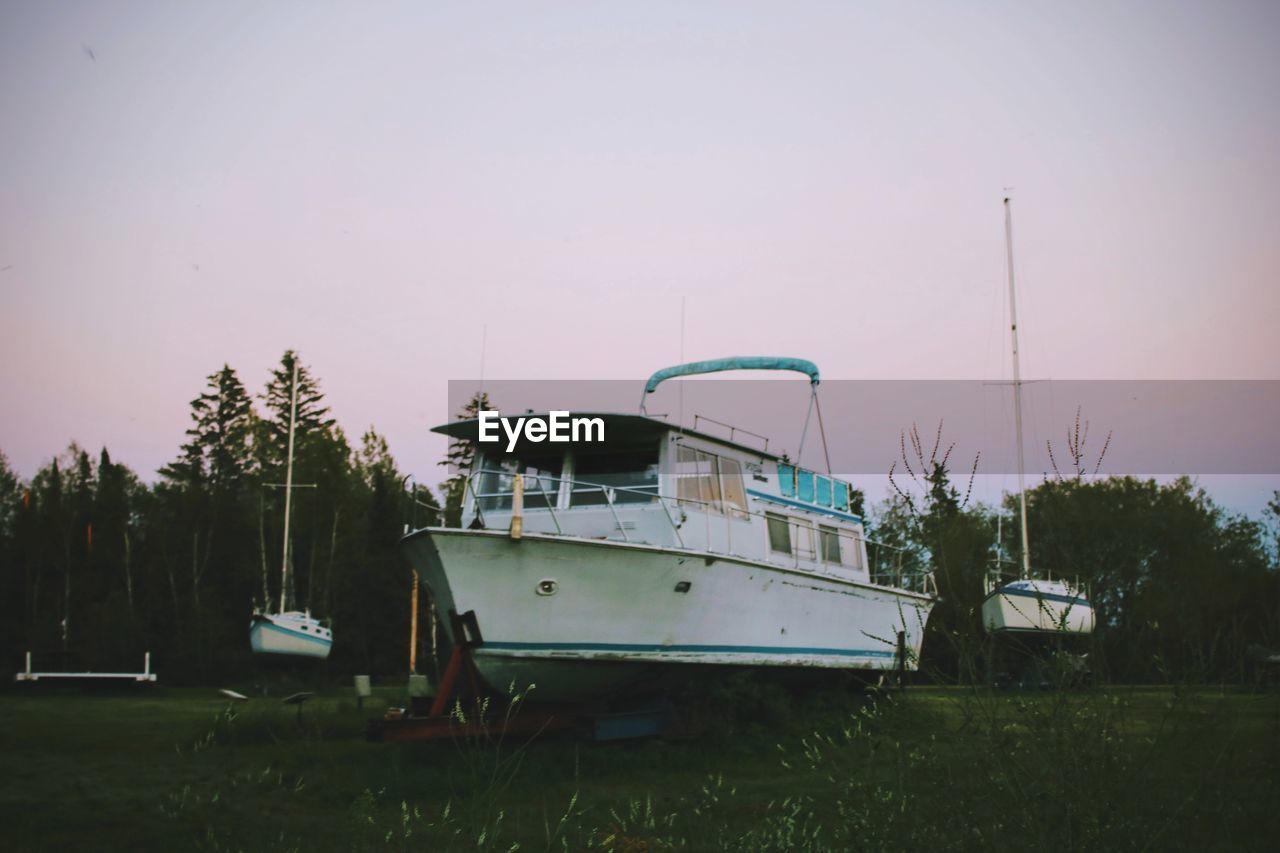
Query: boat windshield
497	476
631	475
623	476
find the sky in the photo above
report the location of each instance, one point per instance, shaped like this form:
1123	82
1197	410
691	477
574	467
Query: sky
410	193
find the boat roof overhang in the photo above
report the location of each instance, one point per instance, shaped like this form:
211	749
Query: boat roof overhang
620	432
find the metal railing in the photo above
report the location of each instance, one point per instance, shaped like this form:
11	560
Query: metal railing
812	559
997	577
733	430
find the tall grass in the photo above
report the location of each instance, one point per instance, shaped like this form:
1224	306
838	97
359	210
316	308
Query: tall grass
1064	768
772	768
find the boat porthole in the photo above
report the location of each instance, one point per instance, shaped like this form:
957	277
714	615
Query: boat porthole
546	586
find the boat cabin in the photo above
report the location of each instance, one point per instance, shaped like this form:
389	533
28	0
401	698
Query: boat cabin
653	483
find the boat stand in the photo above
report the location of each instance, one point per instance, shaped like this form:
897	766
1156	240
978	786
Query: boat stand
87	679
458	709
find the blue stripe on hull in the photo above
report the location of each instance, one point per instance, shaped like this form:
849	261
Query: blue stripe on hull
1047	596
655	647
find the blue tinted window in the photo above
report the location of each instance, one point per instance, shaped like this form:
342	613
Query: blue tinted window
841	496
804	486
824	491
787	480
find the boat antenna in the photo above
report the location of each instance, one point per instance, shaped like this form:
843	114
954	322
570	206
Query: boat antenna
484	345
288	487
1017	391
680	414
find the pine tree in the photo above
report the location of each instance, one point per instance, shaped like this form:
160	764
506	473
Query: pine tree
312	418
113	536
219	450
458	459
11	579
322	470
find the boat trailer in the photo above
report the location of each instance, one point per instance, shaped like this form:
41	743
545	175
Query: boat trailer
459	709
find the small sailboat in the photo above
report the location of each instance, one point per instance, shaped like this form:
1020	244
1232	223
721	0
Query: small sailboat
289	632
1030	605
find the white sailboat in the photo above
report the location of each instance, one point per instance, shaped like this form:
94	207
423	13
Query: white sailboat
1040	606
289	632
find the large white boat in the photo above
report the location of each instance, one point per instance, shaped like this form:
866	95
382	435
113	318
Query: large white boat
289	632
1033	606
599	567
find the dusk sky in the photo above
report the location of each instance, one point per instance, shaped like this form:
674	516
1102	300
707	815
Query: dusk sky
373	184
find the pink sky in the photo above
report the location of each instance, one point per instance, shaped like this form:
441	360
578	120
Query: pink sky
372	183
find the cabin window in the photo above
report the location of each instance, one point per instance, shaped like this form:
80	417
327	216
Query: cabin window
804	486
632	476
542	481
830	544
779	533
698	478
497	479
688	489
824	491
713	483
804	540
855	551
493	486
799	484
787	480
732	488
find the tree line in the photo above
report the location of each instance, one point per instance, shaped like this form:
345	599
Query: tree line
97	566
1181	588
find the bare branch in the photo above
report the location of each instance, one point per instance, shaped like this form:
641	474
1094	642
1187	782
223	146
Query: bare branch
1103	454
972	475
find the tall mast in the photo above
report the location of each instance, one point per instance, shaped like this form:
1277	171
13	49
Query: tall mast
1017	391
288	489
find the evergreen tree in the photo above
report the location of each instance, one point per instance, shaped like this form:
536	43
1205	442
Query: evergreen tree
207	541
458	459
322	478
46	557
312	417
11	580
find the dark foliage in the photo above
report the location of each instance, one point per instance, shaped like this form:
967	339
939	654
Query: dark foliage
97	567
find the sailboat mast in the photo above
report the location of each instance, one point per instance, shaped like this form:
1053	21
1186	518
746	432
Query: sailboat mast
1017	391
288	489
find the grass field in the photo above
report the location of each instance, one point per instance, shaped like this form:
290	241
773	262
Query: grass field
934	768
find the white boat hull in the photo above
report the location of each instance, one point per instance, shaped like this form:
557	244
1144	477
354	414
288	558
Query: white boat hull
1037	606
578	617
293	634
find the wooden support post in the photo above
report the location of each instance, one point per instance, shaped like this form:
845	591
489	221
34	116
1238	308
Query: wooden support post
902	660
413	627
517	506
